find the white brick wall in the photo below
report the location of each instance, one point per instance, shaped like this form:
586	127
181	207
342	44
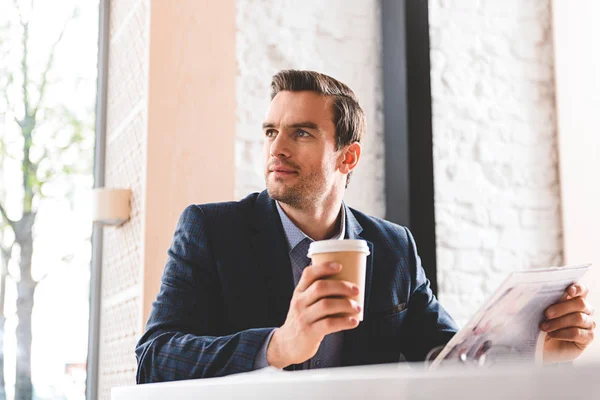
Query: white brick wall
340	38
126	117
497	197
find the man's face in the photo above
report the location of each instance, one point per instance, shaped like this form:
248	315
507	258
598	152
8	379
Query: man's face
301	162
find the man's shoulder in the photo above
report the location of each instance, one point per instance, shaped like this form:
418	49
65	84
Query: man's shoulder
369	222
230	206
222	211
379	230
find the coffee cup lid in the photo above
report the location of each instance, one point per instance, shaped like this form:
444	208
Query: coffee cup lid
331	246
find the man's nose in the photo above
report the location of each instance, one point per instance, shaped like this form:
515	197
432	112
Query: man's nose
279	147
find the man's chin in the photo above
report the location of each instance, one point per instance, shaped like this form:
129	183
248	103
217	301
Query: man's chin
281	192
276	192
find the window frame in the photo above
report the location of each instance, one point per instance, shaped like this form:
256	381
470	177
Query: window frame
99	174
409	181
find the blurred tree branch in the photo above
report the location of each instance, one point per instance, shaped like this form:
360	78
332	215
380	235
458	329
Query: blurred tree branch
32	183
49	64
5	216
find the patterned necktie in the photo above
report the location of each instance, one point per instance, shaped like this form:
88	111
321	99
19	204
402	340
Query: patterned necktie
299	259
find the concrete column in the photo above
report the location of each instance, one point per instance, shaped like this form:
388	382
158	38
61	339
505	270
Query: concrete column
577	74
191	120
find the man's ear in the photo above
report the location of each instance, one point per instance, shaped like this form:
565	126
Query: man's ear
350	155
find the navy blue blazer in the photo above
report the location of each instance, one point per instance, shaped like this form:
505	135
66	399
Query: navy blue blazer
228	282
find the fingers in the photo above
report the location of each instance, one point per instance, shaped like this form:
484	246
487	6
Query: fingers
329	325
580	336
329	288
574	320
575	305
314	272
577	289
328	307
570	319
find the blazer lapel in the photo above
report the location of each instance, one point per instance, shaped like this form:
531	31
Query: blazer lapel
271	251
353	349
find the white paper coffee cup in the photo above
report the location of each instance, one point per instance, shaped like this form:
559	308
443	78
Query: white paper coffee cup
352	255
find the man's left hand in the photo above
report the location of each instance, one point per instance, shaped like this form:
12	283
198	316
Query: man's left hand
569	326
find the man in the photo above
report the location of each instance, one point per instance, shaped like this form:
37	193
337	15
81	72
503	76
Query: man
238	292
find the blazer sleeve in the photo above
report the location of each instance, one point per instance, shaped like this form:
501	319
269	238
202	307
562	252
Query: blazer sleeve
429	324
183	334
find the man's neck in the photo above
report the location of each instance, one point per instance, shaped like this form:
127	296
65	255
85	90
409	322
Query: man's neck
319	223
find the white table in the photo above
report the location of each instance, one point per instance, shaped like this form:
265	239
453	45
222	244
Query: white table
390	381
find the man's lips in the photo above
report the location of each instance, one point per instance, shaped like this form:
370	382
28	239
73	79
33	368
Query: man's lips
282	172
282	168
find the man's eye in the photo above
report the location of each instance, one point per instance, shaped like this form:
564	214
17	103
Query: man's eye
270	133
301	133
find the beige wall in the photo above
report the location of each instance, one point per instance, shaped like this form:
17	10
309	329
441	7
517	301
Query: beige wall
577	59
191	120
170	138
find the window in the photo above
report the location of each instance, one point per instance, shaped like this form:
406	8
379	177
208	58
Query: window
47	117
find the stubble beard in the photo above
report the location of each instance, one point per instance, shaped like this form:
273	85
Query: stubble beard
303	194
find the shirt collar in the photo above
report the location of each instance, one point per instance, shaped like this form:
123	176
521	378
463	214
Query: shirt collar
294	235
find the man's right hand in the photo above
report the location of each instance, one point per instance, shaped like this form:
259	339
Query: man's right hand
318	307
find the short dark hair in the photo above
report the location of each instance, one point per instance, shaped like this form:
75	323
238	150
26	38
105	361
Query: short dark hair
348	117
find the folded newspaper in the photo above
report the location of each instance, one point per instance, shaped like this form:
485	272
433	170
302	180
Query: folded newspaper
506	328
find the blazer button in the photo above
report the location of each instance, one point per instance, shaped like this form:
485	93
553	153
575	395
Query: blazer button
318	364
